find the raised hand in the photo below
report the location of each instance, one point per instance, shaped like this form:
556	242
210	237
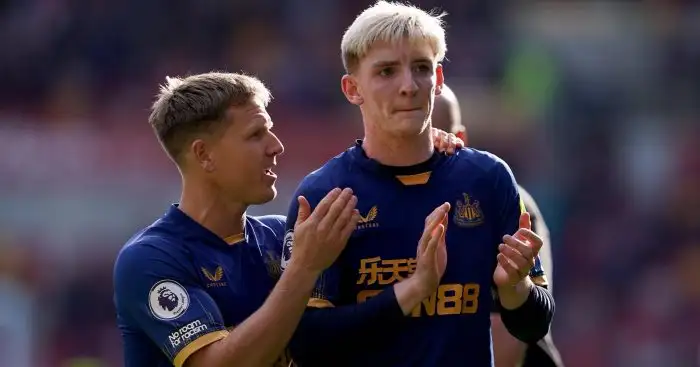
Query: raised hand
517	254
320	236
431	256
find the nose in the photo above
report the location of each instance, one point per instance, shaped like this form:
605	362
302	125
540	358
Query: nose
276	148
409	87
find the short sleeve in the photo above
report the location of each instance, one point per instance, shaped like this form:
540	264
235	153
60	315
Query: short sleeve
327	290
277	223
157	296
509	204
288	241
271	244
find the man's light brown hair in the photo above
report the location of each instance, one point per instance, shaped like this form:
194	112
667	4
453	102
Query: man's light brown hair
189	107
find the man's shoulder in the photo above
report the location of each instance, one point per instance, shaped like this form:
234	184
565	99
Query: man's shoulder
165	231
271	221
149	247
328	176
477	161
528	200
274	224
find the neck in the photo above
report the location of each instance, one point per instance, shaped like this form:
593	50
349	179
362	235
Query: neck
206	205
399	151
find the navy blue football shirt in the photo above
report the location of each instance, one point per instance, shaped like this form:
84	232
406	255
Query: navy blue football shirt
179	287
452	326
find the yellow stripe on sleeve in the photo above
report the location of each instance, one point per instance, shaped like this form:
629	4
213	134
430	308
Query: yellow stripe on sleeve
319	303
198	344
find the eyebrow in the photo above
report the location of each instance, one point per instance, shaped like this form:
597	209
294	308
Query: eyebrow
260	124
383	64
268	124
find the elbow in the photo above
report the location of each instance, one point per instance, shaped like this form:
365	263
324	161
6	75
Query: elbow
219	354
531	335
531	322
210	355
530	332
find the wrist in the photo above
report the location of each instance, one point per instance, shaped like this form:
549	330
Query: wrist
301	273
513	296
409	294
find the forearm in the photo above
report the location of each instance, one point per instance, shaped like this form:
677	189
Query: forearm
507	349
263	336
409	294
334	331
530	321
512	297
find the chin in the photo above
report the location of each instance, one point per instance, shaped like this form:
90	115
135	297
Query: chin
409	125
265	196
410	128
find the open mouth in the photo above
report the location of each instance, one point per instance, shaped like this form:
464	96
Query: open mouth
268	172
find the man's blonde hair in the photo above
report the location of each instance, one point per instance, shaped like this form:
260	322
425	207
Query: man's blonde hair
197	104
390	22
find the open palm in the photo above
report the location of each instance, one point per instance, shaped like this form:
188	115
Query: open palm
517	254
432	252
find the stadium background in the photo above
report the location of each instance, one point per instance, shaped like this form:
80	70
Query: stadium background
594	105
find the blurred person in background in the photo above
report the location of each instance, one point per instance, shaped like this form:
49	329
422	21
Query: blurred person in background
508	350
16	306
383	302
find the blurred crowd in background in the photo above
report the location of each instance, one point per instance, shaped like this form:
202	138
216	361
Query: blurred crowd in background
595	105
